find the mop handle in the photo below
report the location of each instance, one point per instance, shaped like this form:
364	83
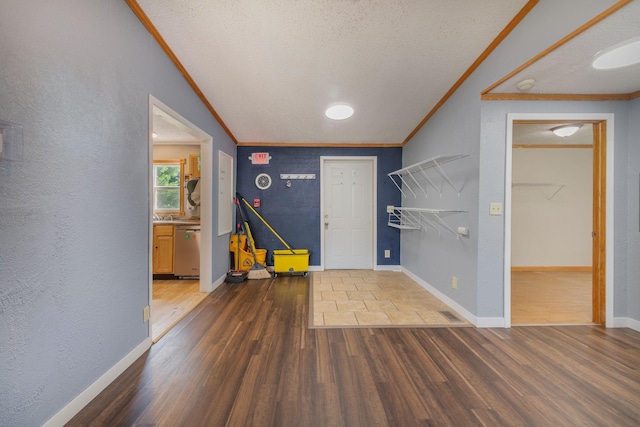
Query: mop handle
264	221
246	231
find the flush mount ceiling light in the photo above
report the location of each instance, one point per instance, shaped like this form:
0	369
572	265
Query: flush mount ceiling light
525	85
339	112
566	130
619	55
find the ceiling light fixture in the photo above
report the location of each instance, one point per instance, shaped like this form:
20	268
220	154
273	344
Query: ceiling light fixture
566	130
619	55
525	85
339	112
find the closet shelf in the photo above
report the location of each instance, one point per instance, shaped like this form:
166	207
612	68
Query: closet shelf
555	188
416	218
410	173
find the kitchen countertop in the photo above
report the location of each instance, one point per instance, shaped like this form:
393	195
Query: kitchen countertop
177	222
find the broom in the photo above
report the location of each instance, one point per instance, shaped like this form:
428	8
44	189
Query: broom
264	221
257	271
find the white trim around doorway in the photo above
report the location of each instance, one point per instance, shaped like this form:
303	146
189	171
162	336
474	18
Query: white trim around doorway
374	163
609	119
206	208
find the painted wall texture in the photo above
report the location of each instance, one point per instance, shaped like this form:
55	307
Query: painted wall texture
633	219
551	225
74	212
467	125
495	117
295	212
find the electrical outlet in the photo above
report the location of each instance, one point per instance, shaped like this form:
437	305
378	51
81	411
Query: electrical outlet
390	208
146	314
387	253
454	282
495	208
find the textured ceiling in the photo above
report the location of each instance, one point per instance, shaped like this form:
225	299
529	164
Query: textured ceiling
568	70
167	129
270	68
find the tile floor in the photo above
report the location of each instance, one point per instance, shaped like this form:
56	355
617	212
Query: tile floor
366	298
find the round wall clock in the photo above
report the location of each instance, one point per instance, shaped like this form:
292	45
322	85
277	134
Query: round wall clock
263	181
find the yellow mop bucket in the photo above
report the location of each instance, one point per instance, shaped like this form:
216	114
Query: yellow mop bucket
246	259
243	259
291	261
237	241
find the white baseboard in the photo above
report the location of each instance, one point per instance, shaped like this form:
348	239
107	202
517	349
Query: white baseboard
211	286
490	322
83	399
451	303
397	268
619	322
218	282
377	268
625	322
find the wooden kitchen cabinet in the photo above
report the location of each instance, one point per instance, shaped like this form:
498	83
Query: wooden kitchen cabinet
194	165
163	249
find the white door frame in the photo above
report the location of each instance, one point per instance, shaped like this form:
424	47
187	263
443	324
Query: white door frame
374	186
206	208
608	118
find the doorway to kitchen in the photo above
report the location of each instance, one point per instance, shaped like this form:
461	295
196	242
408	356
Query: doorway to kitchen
557	221
180	218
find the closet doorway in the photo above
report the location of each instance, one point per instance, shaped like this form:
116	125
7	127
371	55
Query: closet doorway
557	216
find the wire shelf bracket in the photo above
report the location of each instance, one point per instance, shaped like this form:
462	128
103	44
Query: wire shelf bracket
402	177
555	188
417	218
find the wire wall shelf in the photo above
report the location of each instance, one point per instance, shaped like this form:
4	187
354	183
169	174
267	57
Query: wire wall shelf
553	188
415	173
418	218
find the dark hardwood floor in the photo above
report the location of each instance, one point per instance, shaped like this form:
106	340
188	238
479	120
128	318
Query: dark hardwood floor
245	357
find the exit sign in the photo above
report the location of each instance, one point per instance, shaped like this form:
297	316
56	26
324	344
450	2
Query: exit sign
260	158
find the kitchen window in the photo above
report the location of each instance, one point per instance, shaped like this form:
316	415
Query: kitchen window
168	186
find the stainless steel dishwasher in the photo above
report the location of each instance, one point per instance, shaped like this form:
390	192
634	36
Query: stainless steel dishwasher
186	258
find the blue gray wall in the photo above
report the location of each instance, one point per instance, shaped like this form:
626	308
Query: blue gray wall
494	119
467	125
74	212
76	74
295	212
633	219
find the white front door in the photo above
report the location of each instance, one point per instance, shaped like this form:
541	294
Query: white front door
348	214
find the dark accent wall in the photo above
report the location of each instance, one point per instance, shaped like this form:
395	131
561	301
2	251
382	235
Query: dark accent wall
295	212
